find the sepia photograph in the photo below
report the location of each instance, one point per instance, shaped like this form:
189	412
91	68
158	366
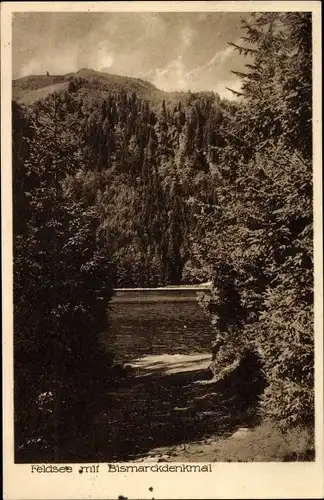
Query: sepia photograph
163	290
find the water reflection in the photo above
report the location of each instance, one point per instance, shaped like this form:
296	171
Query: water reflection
158	328
160	403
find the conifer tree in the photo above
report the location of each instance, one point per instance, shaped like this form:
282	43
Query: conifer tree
262	227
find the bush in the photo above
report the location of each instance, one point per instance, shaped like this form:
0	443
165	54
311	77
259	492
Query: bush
267	443
259	236
62	285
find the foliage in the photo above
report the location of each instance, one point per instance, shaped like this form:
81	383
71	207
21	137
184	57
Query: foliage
61	276
143	166
260	230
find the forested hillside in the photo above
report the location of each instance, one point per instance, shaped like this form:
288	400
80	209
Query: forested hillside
93	86
142	171
121	188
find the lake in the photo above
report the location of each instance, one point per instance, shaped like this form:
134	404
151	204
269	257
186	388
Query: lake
167	344
156	328
163	398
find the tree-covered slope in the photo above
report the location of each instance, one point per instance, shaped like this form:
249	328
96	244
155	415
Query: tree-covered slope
93	85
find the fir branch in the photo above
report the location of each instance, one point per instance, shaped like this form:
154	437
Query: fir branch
253	66
241	49
240	74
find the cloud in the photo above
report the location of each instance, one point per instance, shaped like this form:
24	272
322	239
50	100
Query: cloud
218	59
187	35
221	57
49	62
175	76
175	51
172	77
222	88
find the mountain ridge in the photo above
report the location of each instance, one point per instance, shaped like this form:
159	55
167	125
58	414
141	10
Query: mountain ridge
93	86
32	88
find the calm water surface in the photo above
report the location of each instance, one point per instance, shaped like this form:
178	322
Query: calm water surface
126	419
141	329
145	412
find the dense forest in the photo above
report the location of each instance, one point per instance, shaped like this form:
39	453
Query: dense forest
119	192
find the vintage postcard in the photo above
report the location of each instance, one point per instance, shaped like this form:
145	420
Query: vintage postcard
162	250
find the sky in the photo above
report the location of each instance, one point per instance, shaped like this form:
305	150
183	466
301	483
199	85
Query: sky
172	50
